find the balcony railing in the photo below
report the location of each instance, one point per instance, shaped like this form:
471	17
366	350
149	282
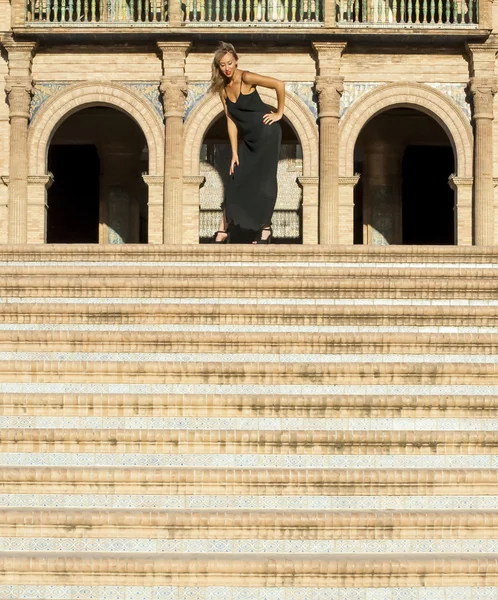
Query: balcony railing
88	12
395	13
257	13
254	12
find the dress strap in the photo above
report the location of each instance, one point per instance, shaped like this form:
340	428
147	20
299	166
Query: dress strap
241	75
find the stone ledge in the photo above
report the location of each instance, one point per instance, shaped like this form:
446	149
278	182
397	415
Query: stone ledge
208	253
429	344
346	570
268	481
244	524
233	405
179	441
266	284
291	314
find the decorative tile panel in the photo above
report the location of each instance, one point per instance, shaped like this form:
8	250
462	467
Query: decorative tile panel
457	92
352	92
42	92
149	91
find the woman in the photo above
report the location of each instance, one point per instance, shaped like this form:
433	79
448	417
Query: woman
255	137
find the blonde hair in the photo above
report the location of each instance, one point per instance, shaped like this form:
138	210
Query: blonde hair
218	80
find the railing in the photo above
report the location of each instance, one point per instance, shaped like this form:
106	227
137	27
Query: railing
348	13
246	12
431	13
96	11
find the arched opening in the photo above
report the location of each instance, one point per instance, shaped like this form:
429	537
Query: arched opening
404	158
97	157
214	166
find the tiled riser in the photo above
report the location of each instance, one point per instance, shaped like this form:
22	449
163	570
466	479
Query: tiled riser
74	500
263	424
247	461
52	592
19	544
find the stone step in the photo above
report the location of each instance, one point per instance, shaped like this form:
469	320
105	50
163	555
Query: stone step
284	442
233	253
248	482
254	570
330	406
254	373
225	272
469	347
243	314
241	286
243	524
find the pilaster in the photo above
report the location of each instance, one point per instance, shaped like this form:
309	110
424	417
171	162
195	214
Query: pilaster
19	88
462	186
173	89
309	186
155	204
192	185
329	86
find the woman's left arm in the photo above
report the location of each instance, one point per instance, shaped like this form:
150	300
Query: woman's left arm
253	79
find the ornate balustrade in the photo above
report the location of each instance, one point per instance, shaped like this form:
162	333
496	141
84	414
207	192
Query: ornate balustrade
254	12
257	13
91	12
392	13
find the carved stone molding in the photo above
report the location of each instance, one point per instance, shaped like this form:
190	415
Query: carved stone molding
194	180
349	181
46	180
483	92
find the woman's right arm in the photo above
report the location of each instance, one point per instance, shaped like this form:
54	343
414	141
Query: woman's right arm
232	136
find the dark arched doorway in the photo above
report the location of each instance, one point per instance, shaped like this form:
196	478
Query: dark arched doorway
404	158
97	157
214	166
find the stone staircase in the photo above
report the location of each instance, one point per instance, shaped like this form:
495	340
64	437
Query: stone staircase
248	423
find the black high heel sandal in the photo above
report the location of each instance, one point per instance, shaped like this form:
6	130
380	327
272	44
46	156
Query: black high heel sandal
268	239
225	240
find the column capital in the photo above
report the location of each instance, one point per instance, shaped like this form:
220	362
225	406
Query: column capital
329	90
19	91
174	92
483	91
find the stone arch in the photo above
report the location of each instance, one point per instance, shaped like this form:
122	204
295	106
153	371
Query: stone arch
436	105
61	106
298	114
75	97
411	95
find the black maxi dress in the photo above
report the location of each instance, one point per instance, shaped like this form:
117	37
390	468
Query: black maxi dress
251	191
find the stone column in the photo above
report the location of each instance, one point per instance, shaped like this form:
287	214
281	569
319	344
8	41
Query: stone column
329	86
483	92
309	185
19	86
173	89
